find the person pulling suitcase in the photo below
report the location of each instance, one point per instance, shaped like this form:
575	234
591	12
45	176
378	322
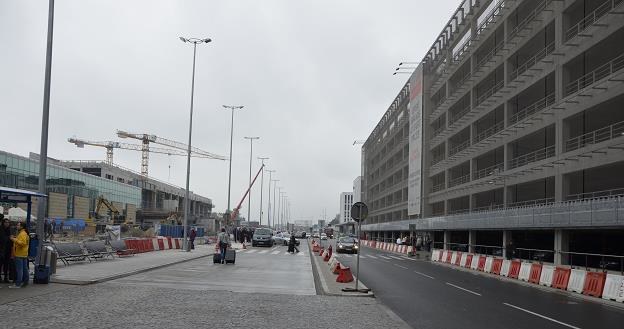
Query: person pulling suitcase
223	240
292	244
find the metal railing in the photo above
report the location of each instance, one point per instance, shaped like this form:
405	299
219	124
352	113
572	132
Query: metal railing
540	255
528	19
459	180
459	211
533	108
496	87
531	203
489	132
589	260
437	131
491	17
532	61
439	101
438	187
459	147
619	192
460	82
599	135
489	171
456	116
534	156
596	75
437	159
490	54
592	18
463	49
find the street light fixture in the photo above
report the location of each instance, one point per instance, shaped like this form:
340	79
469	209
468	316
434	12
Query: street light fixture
232	108
274	201
251	139
261	186
194	41
269	202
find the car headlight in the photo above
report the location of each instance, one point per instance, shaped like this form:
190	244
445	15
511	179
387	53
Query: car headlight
339	246
355	247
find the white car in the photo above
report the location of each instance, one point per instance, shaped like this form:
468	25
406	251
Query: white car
323	236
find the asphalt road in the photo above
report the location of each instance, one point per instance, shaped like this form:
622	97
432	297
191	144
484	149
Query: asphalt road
427	295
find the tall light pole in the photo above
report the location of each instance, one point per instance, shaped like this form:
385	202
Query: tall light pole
279	205
281	212
269	202
187	202
261	186
274	201
45	122
232	108
251	139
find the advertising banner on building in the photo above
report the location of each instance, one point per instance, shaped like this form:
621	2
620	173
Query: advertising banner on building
415	108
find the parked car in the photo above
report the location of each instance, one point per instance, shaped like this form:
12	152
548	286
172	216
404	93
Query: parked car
262	237
346	244
284	239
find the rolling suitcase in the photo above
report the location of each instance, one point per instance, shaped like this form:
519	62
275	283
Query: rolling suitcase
216	258
230	256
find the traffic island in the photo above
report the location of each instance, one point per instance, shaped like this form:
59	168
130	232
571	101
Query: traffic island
326	279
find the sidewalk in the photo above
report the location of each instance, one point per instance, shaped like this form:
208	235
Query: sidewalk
82	273
327	279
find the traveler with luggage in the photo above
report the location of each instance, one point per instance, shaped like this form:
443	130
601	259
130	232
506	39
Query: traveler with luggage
224	242
192	236
6	246
20	247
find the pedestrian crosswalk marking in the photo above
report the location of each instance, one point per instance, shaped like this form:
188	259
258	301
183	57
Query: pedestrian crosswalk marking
347	255
395	257
369	256
251	251
263	251
384	257
275	252
301	254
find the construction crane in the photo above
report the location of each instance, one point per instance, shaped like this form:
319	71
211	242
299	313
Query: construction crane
234	214
146	139
110	145
358	142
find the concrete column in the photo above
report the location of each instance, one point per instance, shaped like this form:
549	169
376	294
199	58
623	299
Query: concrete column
506	241
447	239
472	240
562	243
558	187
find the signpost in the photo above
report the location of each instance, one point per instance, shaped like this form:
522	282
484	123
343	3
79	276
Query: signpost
359	212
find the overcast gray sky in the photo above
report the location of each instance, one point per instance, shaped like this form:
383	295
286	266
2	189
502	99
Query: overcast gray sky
313	76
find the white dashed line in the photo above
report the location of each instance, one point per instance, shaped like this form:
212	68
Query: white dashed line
542	316
275	252
464	289
369	256
403	267
384	257
251	251
425	275
395	257
263	252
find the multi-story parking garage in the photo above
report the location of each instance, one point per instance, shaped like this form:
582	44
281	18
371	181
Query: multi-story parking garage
523	134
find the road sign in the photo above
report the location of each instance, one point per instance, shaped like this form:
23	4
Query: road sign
359	211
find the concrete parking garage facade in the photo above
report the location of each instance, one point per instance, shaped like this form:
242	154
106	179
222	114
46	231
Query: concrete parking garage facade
523	134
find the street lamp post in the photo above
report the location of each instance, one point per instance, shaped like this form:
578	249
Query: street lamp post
269	201
251	139
261	186
274	201
187	203
232	108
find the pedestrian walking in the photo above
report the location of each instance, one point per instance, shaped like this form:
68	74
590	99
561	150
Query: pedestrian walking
292	244
20	247
5	249
223	240
192	236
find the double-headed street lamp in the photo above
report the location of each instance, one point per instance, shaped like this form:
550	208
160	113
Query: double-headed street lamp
251	139
232	108
187	203
261	186
274	201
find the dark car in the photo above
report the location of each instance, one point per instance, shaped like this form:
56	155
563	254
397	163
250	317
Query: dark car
262	237
346	244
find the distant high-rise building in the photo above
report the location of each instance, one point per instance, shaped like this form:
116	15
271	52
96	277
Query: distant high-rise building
346	201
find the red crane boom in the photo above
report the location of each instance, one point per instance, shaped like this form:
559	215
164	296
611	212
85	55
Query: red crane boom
236	210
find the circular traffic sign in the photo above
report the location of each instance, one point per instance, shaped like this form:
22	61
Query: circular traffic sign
359	211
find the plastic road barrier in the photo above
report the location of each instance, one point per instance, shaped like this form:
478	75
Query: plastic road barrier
449	256
434	255
469	260
444	255
577	281
462	262
488	264
525	271
614	288
336	268
497	263
594	283
344	274
481	263
475	262
546	278
561	276
458	258
535	273
505	267
514	269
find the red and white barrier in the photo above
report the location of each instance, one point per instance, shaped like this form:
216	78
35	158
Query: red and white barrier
577	281
525	271
475	262
454	257
462	262
435	255
505	267
488	264
614	288
546	277
444	255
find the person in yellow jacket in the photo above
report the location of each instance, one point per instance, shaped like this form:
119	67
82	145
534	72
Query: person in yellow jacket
20	249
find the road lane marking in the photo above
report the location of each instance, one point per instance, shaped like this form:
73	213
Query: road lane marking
401	266
542	316
464	289
276	252
395	257
263	251
407	258
384	257
301	254
251	251
425	275
369	256
347	255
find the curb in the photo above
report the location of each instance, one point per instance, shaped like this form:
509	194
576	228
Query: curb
324	288
122	275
